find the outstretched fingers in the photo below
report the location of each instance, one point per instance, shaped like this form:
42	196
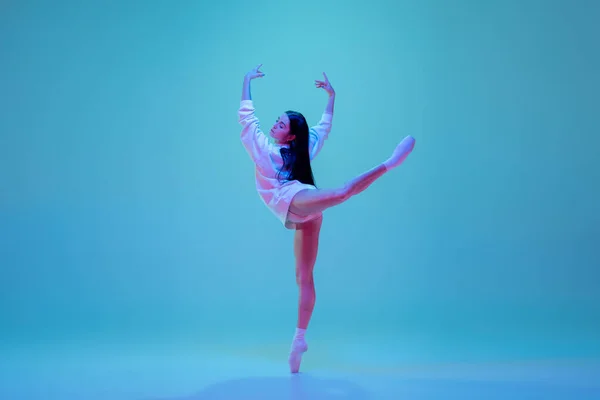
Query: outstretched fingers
324	83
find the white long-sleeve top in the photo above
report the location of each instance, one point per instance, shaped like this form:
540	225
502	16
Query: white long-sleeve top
266	156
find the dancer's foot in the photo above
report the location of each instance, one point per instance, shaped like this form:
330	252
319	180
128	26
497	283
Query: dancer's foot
299	347
400	153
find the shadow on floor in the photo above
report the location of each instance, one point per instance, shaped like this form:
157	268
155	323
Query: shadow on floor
295	387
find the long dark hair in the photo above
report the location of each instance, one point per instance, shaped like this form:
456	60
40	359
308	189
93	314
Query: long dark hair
296	158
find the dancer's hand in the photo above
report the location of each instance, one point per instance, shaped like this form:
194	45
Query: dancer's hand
325	85
255	73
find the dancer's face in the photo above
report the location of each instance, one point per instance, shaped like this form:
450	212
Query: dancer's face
281	129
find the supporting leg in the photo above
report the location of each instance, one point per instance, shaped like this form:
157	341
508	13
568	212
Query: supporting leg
306	243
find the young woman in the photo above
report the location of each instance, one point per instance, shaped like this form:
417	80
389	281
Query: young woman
285	183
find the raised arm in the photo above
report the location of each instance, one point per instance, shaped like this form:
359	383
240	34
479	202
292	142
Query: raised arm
253	74
326	85
320	132
254	140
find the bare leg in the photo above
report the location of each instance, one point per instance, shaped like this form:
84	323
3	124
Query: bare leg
309	201
306	243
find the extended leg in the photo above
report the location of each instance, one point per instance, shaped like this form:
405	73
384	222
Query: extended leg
306	243
310	201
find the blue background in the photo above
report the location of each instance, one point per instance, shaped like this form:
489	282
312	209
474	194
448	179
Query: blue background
128	211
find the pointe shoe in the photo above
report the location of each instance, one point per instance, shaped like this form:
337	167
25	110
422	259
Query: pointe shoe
299	347
402	150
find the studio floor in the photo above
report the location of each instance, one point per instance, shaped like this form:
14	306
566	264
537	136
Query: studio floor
94	371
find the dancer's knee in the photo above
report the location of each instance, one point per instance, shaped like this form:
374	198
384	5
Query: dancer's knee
304	276
345	192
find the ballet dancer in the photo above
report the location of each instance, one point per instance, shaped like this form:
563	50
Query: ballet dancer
285	183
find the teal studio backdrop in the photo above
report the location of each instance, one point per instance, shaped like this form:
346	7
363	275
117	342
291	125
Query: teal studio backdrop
128	211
